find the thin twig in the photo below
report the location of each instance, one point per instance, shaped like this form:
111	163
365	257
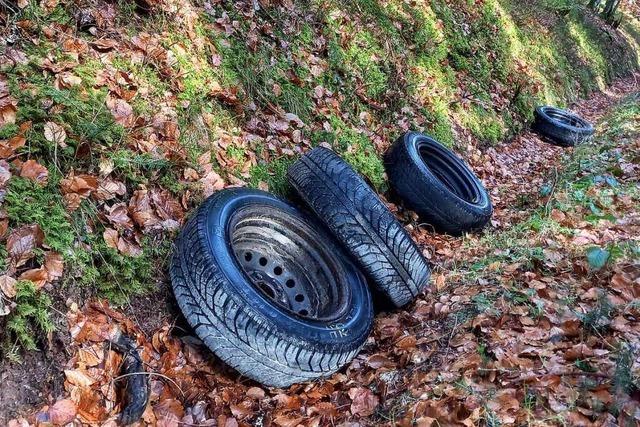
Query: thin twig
150	373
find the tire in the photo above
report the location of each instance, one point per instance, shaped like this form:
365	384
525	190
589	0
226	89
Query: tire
438	185
241	308
561	127
362	223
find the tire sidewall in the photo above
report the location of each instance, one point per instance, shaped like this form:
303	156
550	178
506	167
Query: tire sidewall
348	329
582	132
411	140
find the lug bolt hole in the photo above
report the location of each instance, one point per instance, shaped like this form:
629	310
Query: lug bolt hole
303	312
277	271
299	298
290	283
263	261
248	256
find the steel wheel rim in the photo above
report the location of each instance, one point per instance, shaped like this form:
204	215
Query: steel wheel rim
283	258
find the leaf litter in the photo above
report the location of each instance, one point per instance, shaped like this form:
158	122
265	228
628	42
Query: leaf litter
493	340
448	359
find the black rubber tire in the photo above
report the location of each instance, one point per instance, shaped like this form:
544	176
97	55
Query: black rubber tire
362	223
243	327
438	185
560	127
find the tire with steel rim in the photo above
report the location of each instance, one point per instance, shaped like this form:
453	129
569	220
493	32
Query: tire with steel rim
437	184
561	127
362	223
267	290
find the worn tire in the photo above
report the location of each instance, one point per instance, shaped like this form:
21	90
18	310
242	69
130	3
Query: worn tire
438	185
237	321
362	223
560	127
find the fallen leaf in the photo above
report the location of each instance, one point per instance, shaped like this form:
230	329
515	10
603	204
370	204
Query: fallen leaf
118	216
76	188
38	276
54	133
22	241
78	377
62	412
8	285
54	264
8	104
110	237
34	171
5	174
109	189
363	401
121	110
211	182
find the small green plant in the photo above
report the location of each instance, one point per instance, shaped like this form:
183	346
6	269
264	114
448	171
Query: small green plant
27	202
490	418
273	173
530	400
30	319
584	365
597	257
599	317
623	378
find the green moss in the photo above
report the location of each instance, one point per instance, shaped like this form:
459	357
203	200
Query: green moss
136	167
482	123
81	111
30	318
274	173
27	202
260	72
109	274
365	58
356	149
105	272
9	131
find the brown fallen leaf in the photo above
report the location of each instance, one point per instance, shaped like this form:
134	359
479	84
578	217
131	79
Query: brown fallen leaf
118	216
110	237
55	133
38	276
8	148
75	188
54	264
5	173
363	401
109	189
62	412
34	171
120	243
8	104
78	377
8	285
22	241
211	182
121	110
141	209
66	80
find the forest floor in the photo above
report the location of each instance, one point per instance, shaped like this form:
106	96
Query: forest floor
118	118
535	321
